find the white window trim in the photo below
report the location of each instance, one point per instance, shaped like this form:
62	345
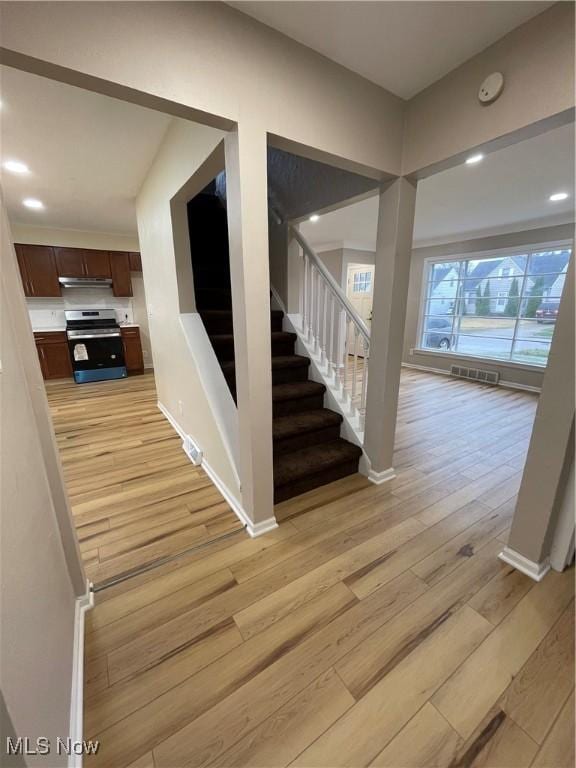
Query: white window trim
428	263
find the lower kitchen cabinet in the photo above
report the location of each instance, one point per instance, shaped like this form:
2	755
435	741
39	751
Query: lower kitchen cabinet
54	355
132	349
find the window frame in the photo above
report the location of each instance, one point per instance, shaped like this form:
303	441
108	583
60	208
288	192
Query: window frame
526	250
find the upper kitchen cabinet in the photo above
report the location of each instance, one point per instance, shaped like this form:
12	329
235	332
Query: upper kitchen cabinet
81	262
38	270
70	262
135	261
97	264
120	267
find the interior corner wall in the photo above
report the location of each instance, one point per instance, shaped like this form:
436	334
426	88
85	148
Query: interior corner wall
537	60
37	593
521	375
185	147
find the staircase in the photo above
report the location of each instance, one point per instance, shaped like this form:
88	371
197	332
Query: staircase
308	449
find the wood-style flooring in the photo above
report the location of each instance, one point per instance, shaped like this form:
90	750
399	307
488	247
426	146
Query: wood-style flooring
375	626
135	496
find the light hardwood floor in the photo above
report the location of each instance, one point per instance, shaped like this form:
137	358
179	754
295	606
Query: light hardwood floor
135	496
375	626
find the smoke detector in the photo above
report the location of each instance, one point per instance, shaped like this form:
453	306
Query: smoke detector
491	88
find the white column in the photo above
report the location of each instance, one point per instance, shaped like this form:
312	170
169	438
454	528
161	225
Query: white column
391	277
551	451
247	202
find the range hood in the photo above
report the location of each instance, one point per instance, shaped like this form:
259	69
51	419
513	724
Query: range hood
85	282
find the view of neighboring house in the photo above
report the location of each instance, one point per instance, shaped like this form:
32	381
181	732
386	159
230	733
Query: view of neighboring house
287	384
496	286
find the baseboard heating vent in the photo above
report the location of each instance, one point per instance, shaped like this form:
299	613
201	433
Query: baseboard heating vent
475	374
192	450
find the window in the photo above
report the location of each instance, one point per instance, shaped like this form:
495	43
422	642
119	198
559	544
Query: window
362	282
479	307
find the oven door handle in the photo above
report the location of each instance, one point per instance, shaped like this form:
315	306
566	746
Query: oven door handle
94	336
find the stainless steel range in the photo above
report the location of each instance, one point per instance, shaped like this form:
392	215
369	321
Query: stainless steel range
95	344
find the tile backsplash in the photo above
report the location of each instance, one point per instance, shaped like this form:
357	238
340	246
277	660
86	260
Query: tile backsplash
46	314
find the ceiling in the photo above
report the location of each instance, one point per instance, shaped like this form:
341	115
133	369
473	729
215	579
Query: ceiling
390	42
88	154
298	186
508	191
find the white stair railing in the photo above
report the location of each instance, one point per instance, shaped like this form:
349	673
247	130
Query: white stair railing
334	330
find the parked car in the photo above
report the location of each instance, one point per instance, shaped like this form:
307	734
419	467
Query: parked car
547	312
438	333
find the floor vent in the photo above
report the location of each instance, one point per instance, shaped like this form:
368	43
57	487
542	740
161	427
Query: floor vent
192	450
475	374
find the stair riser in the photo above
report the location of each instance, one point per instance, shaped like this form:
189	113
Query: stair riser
287	375
218	325
290	444
286	407
225	351
289	490
279	376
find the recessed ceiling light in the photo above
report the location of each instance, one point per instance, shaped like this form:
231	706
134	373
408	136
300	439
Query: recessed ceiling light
32	202
557	196
15	166
473	159
314	217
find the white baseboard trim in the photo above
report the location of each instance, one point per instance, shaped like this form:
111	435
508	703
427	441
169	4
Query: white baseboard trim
381	477
501	383
253	529
83	604
535	571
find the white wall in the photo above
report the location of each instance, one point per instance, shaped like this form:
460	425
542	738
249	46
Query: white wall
37	557
178	380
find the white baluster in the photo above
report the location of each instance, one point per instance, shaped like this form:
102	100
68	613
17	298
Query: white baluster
324	322
364	387
318	315
301	286
354	370
311	329
345	359
330	345
305	292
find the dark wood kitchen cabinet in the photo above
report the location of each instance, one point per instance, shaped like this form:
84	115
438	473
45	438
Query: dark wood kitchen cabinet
54	355
120	267
82	262
97	263
135	261
132	349
38	270
70	262
42	265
